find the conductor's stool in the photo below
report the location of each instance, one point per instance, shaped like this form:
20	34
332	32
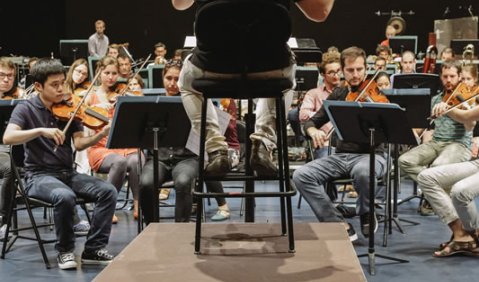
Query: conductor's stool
243	88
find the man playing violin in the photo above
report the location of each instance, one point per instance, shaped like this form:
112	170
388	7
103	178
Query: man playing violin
451	140
49	173
451	190
350	160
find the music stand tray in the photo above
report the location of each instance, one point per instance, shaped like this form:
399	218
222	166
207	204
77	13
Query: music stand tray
371	123
416	101
149	123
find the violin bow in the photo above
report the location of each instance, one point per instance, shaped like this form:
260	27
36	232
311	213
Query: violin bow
67	126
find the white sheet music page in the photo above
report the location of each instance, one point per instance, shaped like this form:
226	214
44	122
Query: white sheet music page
193	142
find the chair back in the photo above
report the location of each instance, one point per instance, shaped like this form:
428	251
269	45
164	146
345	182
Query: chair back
245	25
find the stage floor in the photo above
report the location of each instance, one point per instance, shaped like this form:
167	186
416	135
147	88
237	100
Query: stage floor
237	252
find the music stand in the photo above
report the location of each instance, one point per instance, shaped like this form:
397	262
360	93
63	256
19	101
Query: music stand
70	50
399	44
6	109
371	123
417	103
149	123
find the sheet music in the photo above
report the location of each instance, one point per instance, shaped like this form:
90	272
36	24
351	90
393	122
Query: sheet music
292	42
190	42
193	142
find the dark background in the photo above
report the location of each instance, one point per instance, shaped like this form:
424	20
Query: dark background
34	28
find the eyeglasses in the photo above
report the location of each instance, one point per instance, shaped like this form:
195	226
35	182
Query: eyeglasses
333	73
173	63
3	75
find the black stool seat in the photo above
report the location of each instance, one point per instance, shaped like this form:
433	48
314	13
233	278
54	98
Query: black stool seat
242	88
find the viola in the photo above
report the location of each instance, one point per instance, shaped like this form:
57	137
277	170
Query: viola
91	117
368	91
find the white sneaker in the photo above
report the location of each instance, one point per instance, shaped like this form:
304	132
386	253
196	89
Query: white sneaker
221	215
81	228
3	230
66	260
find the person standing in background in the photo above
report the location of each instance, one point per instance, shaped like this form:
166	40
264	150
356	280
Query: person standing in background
98	42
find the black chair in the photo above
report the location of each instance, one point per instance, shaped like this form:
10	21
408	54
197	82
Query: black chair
251	25
23	202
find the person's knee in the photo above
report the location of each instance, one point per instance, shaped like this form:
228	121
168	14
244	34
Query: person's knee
64	198
459	194
184	184
120	165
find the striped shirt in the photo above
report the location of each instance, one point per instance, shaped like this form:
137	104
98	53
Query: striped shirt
449	130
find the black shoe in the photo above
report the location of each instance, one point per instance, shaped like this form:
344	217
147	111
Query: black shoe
218	163
347	212
351	233
262	160
364	218
100	256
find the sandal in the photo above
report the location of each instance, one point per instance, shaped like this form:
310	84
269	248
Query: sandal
164	194
444	244
455	247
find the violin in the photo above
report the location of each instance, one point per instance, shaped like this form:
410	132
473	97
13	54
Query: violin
368	91
91	117
460	95
82	87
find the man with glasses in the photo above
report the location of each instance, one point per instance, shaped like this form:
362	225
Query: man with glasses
351	160
330	70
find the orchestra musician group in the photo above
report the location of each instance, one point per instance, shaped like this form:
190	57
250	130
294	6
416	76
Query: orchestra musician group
61	155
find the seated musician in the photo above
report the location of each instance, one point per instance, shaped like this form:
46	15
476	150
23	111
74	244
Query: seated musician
124	63
330	70
451	190
116	162
451	140
135	85
350	160
178	164
7	189
49	166
276	62
77	77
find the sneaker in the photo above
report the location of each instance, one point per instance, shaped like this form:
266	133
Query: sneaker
351	233
346	211
3	230
234	157
218	163
100	256
81	228
364	218
221	215
66	260
425	209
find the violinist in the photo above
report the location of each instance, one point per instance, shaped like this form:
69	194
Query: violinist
135	85
50	175
350	160
116	162
451	190
77	78
469	77
451	140
125	66
7	189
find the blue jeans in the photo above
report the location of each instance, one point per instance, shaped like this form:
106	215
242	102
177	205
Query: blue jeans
311	178
61	189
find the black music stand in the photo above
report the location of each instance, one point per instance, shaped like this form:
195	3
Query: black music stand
6	109
149	123
371	123
417	103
